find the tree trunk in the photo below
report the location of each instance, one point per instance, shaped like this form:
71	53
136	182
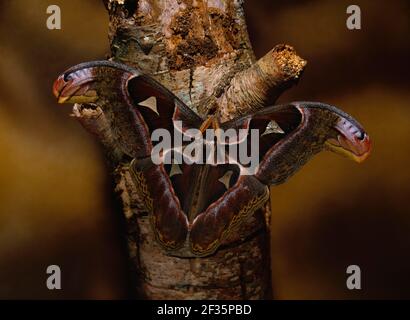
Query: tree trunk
200	50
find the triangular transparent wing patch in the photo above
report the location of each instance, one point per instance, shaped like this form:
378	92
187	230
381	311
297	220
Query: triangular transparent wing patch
175	169
150	103
226	179
273	127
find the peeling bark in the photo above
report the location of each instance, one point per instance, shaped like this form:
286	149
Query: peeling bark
200	50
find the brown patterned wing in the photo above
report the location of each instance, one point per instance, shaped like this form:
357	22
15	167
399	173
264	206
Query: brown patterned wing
225	215
249	192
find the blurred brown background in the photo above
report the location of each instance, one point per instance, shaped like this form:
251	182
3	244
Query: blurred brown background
56	205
